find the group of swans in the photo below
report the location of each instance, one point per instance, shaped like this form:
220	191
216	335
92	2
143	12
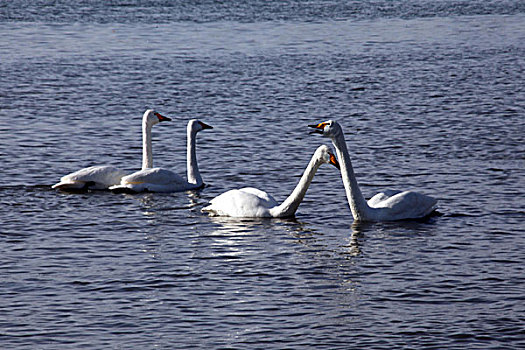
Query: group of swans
385	206
103	176
148	178
250	202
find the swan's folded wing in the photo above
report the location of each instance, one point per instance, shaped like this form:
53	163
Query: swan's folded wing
263	196
409	205
156	176
379	199
96	177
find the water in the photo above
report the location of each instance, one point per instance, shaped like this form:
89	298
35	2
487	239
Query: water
430	95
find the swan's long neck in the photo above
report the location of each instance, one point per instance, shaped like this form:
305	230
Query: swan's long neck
358	205
194	175
147	153
290	205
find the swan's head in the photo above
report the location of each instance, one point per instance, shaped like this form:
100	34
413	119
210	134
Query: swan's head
152	117
326	156
194	126
329	128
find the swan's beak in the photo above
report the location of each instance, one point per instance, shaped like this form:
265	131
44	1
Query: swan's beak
334	162
205	126
319	128
162	118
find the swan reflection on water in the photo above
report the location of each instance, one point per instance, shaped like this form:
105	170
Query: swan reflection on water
352	247
232	230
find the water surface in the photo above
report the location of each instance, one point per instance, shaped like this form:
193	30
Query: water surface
430	96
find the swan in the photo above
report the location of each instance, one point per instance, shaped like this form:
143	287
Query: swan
163	180
385	206
250	202
101	177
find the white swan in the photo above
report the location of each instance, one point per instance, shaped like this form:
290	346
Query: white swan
163	180
385	206
253	203
103	176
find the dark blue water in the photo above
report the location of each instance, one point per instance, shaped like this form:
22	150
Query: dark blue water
430	95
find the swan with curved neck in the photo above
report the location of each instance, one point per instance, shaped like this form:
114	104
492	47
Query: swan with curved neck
253	203
385	206
164	180
102	177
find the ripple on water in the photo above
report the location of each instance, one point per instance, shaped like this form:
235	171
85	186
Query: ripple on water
429	104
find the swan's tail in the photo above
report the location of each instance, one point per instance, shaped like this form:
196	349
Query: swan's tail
210	211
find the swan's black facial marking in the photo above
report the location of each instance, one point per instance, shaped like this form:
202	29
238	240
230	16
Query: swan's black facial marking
334	162
161	117
319	128
205	126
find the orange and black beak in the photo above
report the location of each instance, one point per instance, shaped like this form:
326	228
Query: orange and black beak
319	128
334	162
162	118
205	126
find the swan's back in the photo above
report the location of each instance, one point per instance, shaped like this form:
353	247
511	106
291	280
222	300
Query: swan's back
267	198
244	202
397	205
154	176
154	180
94	177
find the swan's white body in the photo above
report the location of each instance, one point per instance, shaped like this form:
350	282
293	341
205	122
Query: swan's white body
253	203
92	178
163	180
385	206
103	176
